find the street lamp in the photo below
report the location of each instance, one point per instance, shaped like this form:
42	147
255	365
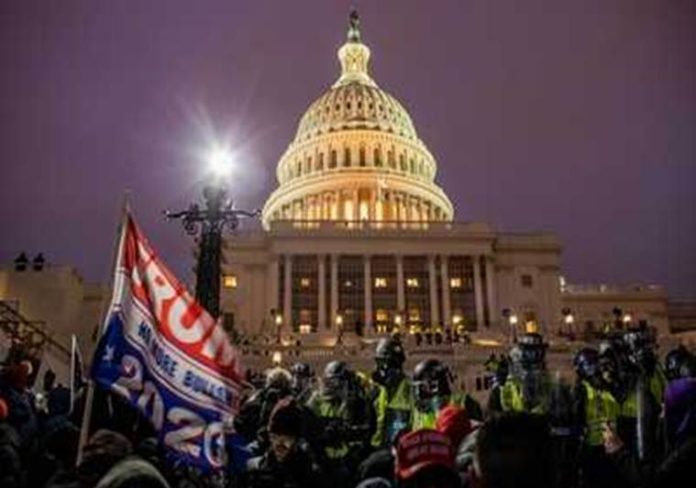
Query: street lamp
398	320
339	329
209	222
568	319
513	326
278	320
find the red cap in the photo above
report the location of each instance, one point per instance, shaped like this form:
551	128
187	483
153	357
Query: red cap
453	421
422	449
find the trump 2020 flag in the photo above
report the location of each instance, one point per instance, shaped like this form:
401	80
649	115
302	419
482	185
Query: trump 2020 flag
167	356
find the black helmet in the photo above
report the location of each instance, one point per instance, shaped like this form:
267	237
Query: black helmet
302	370
278	379
391	352
335	378
532	350
431	378
680	363
586	363
302	375
639	343
390	358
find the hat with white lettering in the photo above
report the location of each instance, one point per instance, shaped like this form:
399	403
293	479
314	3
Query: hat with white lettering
422	449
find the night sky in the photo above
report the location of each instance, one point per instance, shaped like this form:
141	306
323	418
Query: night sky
574	117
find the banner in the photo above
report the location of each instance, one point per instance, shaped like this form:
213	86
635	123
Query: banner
165	354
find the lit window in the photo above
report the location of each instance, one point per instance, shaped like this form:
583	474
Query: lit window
526	280
380	282
229	281
305	328
414	315
348	283
455	282
381	315
531	327
412	282
304	282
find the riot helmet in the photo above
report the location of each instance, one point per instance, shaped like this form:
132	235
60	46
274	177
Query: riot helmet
431	381
586	364
532	351
302	375
680	363
640	345
336	379
390	358
278	379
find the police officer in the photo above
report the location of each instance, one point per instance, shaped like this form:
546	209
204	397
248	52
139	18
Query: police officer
680	363
640	411
346	416
394	399
526	388
432	391
596	406
253	416
302	381
596	410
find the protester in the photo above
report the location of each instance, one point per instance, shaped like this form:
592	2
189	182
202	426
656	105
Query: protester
291	432
288	462
425	459
514	451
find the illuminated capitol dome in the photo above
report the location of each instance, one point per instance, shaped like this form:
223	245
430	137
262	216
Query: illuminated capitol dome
357	155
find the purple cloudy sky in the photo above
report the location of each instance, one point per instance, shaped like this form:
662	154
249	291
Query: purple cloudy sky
575	117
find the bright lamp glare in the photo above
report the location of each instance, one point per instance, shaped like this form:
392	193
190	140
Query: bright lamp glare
220	162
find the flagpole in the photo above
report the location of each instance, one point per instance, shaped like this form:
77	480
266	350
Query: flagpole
115	265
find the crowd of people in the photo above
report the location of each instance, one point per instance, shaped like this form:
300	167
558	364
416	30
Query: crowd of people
628	420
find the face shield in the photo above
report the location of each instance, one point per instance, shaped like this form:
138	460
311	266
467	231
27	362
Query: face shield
334	387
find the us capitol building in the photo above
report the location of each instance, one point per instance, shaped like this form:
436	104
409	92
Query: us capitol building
359	236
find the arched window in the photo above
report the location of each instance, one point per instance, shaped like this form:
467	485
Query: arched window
412	166
390	159
320	162
363	161
334	158
346	157
377	157
402	162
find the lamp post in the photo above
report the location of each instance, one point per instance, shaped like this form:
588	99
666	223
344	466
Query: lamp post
568	320
339	329
209	222
398	320
512	320
278	321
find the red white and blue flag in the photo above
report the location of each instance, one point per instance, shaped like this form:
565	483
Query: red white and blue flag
167	356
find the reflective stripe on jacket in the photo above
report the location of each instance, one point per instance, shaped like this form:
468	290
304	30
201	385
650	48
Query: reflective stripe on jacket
600	408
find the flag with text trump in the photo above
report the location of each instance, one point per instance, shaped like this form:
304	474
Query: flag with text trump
167	356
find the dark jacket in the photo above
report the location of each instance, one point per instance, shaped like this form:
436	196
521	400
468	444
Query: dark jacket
297	471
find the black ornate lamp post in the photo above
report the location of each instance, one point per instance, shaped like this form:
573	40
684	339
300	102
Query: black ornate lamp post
219	212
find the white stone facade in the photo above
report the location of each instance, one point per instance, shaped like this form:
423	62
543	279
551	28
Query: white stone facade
385	276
